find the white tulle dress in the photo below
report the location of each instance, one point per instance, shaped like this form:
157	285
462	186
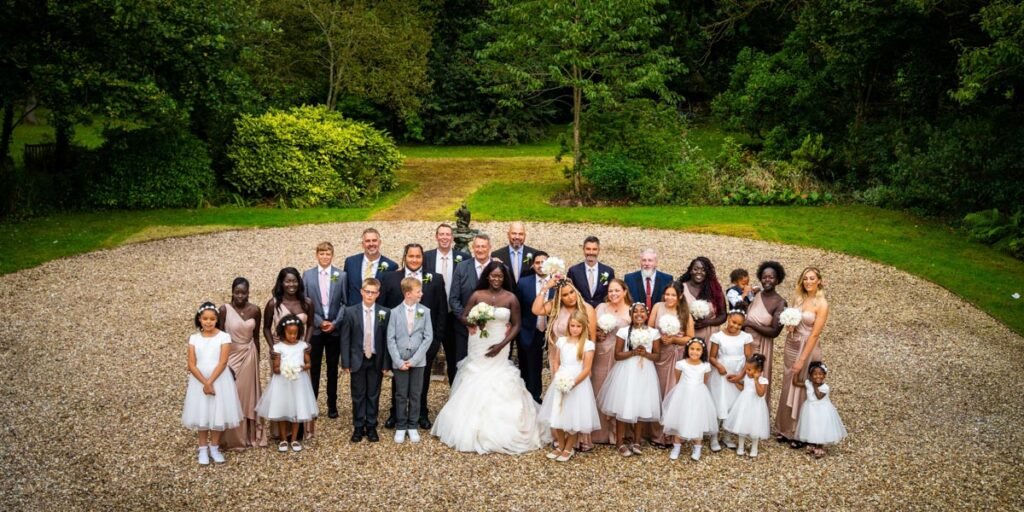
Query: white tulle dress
632	392
819	421
489	409
748	416
689	410
289	400
575	411
731	355
219	411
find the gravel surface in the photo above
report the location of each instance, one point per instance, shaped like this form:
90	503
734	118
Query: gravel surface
93	354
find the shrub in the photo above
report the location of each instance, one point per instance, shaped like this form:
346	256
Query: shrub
1004	232
158	167
309	156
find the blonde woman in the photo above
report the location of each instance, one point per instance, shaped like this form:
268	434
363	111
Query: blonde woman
801	350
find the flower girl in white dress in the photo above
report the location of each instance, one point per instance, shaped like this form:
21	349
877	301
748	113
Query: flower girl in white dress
569	406
689	411
631	394
289	398
819	422
748	417
211	398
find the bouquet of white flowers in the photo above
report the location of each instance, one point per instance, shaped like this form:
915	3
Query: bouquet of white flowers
700	309
480	315
290	371
607	322
642	338
790	317
669	324
554	267
564	382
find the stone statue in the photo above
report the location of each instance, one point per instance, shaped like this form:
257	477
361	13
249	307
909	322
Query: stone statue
463	233
462	218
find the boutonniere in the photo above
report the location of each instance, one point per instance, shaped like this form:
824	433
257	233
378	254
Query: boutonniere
428	278
334	276
380	315
458	258
528	259
419	314
382	267
604	277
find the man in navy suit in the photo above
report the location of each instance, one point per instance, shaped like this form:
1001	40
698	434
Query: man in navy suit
433	298
464	282
590	276
325	286
362	356
369	263
647	284
530	342
517	256
443	260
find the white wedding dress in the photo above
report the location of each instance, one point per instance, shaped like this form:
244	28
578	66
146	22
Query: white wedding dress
489	409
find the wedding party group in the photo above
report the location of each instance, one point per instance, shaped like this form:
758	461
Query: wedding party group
640	358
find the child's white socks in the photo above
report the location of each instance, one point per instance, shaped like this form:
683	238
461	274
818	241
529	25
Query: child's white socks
753	448
739	448
696	452
715	447
676	448
204	456
216	455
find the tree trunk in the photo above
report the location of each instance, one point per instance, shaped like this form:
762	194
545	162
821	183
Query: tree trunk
6	132
62	149
576	170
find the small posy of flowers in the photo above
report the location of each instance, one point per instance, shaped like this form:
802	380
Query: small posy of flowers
290	371
700	309
554	267
458	258
428	278
669	325
334	276
380	315
480	315
564	382
604	277
528	259
642	338
790	317
607	322
419	314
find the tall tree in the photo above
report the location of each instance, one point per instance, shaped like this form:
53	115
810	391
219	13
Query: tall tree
599	51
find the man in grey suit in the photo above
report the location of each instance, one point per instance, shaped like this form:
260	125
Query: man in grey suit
325	286
464	282
410	334
363	349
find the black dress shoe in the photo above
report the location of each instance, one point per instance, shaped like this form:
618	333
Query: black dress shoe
371	435
425	423
357	435
390	423
333	413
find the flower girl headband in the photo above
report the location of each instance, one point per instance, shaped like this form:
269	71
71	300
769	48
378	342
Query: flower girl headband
291	321
206	307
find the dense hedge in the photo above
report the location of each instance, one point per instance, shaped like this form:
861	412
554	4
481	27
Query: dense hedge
308	156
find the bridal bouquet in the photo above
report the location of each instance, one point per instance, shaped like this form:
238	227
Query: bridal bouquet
790	317
700	309
480	315
290	371
564	382
554	267
669	325
607	322
642	338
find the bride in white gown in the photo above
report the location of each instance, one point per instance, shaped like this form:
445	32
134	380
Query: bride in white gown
489	409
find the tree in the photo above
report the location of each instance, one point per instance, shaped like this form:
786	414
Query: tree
598	50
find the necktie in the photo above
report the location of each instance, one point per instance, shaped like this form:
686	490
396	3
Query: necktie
368	271
479	268
592	279
368	333
648	294
325	286
409	318
517	265
542	320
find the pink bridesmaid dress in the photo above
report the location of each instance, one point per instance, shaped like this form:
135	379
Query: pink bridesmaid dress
793	397
244	362
604	359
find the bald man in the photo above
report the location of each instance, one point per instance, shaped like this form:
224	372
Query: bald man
517	256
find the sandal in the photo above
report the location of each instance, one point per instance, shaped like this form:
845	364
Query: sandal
819	453
635	448
282	446
553	454
585	449
779	438
625	451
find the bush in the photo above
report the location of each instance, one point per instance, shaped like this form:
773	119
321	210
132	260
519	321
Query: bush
1004	232
744	179
309	156
159	167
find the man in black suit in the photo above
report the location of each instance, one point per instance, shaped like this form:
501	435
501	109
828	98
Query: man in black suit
530	342
434	299
363	347
517	256
443	260
369	263
647	284
464	282
590	276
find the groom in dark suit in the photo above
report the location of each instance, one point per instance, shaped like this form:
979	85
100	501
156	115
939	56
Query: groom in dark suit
369	263
517	256
464	282
433	298
647	284
590	276
530	342
443	260
363	348
325	286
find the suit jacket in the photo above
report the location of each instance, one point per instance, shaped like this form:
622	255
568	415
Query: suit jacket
354	273
637	289
430	259
433	298
464	281
527	293
352	336
336	297
525	266
404	345
578	275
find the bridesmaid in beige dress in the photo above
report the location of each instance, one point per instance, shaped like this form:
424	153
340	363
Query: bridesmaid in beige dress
802	349
763	316
671	348
700	282
558	310
289	298
240	319
616	304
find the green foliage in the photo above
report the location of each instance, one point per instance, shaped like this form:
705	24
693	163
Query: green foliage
150	168
996	68
1004	232
309	156
742	178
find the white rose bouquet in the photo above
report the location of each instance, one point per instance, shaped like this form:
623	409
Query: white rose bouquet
290	371
669	325
607	322
700	309
480	315
642	338
554	267
790	317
